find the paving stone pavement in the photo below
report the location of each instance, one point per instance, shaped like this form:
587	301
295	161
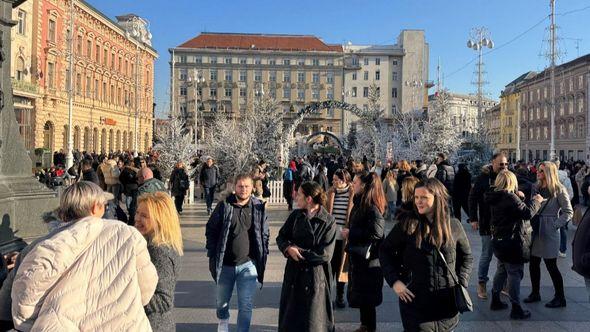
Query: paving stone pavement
195	291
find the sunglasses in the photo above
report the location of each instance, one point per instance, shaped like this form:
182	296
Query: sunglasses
503	164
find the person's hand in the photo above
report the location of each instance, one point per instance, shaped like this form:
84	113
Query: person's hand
520	194
295	253
403	292
345	232
474	225
10	260
538	198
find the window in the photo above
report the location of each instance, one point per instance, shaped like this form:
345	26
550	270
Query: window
286	62
286	93
213	59
329	77
198	59
394	76
377	75
105	56
257	61
355	61
97	55
51	31
315	78
104	91
366	75
112	94
394	63
272	76
354	91
79	45
181	59
89	48
377	61
354	76
243	61
213	74
287	76
95	92
301	77
330	93
119	64
228	61
301	62
394	93
67	80
329	62
228	92
242	92
273	93
258	76
580	81
126	67
378	92
22	22
300	94
213	92
50	75
88	85
112	60
315	62
243	75
183	90
365	92
228	76
272	62
315	94
366	61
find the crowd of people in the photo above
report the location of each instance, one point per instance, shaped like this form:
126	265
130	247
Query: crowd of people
115	244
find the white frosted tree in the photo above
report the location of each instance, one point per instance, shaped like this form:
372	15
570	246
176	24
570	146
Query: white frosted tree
373	133
174	145
407	135
268	131
439	134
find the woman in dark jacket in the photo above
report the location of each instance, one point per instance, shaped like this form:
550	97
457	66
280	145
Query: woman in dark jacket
461	188
413	266
157	221
365	233
509	218
179	185
322	179
307	240
404	171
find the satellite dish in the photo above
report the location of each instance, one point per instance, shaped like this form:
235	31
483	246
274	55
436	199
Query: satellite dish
469	44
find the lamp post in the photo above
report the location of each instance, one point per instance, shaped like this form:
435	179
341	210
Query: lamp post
197	80
479	39
70	154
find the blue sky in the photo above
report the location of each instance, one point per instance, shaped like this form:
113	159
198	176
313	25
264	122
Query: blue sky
447	25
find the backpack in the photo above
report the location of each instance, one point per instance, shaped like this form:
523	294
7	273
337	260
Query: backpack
442	174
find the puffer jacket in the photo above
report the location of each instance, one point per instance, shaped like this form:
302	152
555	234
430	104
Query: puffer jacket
93	275
111	172
478	209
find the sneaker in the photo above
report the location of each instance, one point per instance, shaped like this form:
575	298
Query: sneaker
482	292
562	254
223	325
532	298
557	302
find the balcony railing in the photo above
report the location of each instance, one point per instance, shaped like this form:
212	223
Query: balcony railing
24	86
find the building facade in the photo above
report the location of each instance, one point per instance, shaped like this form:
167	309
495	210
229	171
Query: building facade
112	79
225	72
463	110
492	124
571	113
399	71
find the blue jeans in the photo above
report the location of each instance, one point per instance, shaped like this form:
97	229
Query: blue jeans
563	239
244	277
514	274
485	259
209	193
390	210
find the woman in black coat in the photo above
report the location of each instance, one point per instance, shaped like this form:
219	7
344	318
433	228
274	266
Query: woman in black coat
461	188
509	218
365	233
307	240
411	259
179	185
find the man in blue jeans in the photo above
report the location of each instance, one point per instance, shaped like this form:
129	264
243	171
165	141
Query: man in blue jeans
237	246
479	216
209	178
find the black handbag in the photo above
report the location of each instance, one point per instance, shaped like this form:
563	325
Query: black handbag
462	298
360	250
515	248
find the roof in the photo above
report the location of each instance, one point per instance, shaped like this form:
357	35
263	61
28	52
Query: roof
562	67
273	42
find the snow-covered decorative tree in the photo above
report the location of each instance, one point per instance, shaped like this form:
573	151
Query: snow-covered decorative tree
372	134
174	145
268	131
407	133
439	134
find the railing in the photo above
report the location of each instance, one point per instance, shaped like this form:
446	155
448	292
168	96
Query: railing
24	86
276	193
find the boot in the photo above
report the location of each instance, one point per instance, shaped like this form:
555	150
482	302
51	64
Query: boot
497	303
482	292
557	302
533	297
362	328
519	313
340	304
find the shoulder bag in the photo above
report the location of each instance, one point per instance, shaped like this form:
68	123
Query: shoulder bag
462	299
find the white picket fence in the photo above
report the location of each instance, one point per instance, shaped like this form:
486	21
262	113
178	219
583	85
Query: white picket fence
276	193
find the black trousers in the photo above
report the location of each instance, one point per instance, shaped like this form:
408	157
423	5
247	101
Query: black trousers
178	200
369	318
459	203
335	264
556	278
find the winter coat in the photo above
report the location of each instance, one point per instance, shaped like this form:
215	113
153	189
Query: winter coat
178	178
526	186
400	182
581	247
322	180
151	186
390	191
365	279
90	176
554	213
159	309
445	173
110	172
478	209
217	231
507	212
94	274
566	182
462	185
425	274
305	173
128	179
305	295
209	176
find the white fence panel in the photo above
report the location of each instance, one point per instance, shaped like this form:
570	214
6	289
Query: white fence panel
276	193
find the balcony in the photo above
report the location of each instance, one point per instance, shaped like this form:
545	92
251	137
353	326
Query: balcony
24	86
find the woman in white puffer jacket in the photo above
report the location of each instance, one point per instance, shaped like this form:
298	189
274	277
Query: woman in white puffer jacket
93	274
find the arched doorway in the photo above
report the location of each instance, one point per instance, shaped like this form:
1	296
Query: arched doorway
77	138
95	140
324	142
103	140
86	139
65	138
111	140
130	144
118	142
48	136
124	140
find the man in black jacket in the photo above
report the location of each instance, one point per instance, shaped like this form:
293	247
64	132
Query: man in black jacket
581	250
209	179
479	217
237	246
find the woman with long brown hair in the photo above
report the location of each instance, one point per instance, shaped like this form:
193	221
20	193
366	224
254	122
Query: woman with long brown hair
423	257
365	233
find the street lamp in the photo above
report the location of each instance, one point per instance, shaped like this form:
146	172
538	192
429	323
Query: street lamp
197	79
480	39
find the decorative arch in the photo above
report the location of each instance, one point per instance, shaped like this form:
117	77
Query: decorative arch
326	133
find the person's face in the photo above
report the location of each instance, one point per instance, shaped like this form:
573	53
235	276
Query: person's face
439	160
424	200
337	182
120	164
143	221
143	163
541	173
209	162
357	185
499	164
302	201
244	189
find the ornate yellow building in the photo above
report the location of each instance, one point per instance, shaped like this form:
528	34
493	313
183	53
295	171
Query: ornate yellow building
112	79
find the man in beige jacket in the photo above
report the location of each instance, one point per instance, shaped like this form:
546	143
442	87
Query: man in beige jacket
92	274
